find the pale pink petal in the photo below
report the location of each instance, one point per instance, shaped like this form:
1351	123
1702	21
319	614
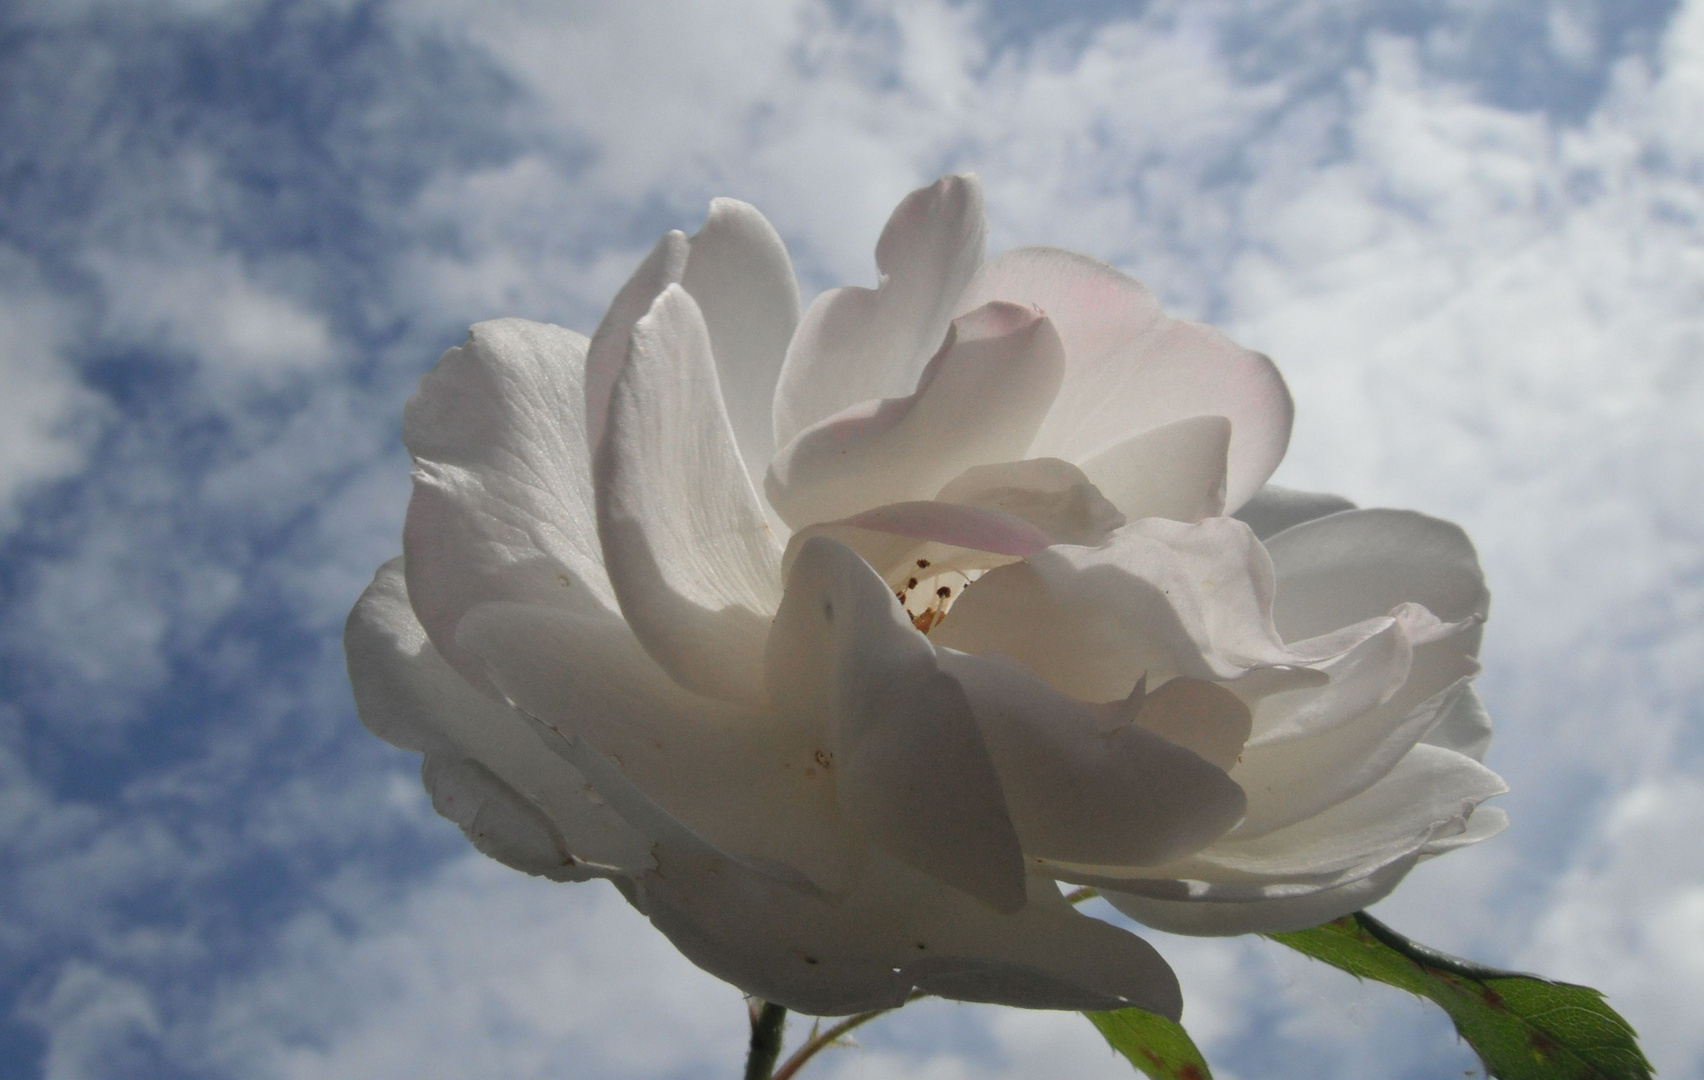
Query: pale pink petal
978	401
483	765
1160	597
1175	471
1085	784
1053	495
909	762
1131	368
502	505
858	344
689	552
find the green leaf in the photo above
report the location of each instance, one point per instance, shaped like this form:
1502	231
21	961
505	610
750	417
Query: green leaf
1160	1048
1521	1026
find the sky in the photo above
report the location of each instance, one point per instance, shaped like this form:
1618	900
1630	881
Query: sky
233	235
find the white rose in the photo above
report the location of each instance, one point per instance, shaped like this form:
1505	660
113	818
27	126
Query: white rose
1013	639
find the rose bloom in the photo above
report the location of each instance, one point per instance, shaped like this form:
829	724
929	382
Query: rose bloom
838	642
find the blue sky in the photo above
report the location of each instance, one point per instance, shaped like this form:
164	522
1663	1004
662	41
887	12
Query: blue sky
233	234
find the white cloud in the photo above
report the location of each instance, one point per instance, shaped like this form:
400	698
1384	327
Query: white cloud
46	415
1628	918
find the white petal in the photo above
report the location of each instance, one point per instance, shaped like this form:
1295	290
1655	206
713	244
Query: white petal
502	505
689	553
737	270
909	763
1353	565
1341	750
1428	795
1084	784
1208	918
1053	495
486	770
1274	509
899	930
979	401
607	354
740	275
1159	597
1465	726
1131	368
751	786
857	344
1175	471
989	516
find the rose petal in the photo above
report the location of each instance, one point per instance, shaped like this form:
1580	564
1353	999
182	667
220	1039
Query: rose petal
899	930
1160	597
689	552
1274	509
856	344
742	279
979	401
1053	495
750	785
607	353
1465	726
1429	794
1085	785
909	762
502	505
1344	750
1207	918
1131	368
483	766
1175	471
737	270
1356	564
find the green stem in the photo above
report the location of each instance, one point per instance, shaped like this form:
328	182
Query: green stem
766	1025
827	1038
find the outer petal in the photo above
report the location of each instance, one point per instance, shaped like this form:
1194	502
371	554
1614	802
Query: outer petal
1209	918
737	270
689	553
861	344
1175	471
1085	784
909	762
1295	910
486	770
607	354
1131	368
740	276
1428	795
1356	564
979	401
1465	726
502	505
898	931
1339	752
749	785
1274	509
